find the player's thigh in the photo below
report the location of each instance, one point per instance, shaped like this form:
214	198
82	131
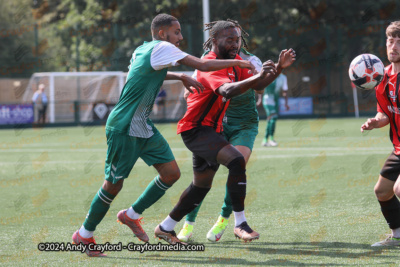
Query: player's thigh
204	143
243	139
122	153
384	188
388	177
270	110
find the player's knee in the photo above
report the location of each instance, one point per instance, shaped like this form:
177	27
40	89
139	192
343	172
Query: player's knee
382	194
175	176
171	177
237	165
111	188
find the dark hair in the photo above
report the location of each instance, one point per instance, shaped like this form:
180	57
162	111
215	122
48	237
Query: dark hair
161	20
393	30
216	26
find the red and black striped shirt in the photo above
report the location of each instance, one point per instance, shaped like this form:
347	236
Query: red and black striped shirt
207	108
388	102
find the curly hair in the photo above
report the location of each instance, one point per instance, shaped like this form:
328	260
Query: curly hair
216	26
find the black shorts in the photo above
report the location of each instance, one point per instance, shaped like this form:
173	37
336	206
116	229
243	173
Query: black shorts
391	168
205	144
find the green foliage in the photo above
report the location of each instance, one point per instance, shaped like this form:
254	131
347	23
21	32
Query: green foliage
101	35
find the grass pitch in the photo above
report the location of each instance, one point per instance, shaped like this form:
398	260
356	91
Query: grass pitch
311	199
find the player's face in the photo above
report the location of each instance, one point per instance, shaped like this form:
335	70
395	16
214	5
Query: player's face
228	43
393	49
173	33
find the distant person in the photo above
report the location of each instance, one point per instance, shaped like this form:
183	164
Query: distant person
270	101
160	101
40	102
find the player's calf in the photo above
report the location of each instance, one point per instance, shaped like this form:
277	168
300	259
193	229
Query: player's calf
237	183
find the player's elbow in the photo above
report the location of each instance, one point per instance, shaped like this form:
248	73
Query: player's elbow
228	91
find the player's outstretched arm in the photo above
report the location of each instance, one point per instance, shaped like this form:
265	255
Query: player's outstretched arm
379	121
215	64
187	81
229	90
286	58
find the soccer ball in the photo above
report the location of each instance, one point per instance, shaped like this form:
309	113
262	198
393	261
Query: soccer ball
366	71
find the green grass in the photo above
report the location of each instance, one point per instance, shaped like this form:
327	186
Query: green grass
311	199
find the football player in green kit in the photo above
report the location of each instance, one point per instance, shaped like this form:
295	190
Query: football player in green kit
270	101
131	134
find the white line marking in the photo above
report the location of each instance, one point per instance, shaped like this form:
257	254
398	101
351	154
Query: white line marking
351	153
267	150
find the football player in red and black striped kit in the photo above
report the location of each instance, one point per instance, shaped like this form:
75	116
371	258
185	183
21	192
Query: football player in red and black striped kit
387	189
201	128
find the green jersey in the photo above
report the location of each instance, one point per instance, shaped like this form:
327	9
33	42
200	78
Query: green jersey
242	108
147	71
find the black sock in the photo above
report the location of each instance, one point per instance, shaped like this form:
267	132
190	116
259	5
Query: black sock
189	200
237	183
391	212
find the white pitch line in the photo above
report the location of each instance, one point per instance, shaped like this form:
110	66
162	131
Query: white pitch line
267	150
82	162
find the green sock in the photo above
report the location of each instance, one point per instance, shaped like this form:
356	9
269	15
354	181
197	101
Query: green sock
272	128
227	206
154	191
267	131
191	217
98	209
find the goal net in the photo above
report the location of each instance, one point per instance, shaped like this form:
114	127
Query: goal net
89	96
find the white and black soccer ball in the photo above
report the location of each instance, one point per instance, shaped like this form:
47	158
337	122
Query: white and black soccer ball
366	71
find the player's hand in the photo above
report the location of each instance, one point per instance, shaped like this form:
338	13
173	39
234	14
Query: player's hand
268	67
286	58
192	84
287	107
370	124
244	64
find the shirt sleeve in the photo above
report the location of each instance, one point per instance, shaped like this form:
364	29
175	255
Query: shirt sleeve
378	108
213	79
165	55
256	62
284	83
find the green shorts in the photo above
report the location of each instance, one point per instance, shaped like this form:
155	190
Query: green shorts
271	110
241	135
124	150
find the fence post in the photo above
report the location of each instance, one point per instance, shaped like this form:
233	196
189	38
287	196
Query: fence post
77	112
